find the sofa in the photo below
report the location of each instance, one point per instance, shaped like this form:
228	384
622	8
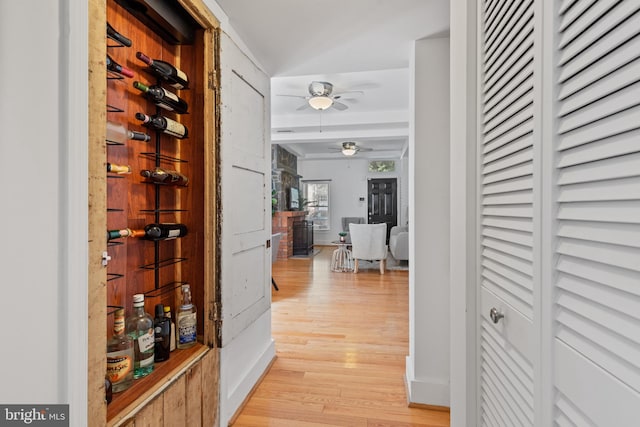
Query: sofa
399	243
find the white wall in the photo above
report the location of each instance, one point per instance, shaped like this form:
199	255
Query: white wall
427	369
44	211
349	183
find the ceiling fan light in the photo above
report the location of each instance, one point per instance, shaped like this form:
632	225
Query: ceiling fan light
320	102
349	151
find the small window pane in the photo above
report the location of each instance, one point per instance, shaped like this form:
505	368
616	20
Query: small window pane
317	195
382	166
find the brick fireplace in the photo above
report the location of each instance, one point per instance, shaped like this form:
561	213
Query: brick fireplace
282	222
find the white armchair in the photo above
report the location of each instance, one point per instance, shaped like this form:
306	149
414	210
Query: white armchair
399	243
368	242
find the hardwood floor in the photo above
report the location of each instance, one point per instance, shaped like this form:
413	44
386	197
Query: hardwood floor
341	342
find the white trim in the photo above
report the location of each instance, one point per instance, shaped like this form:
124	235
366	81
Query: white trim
73	244
432	390
548	208
463	213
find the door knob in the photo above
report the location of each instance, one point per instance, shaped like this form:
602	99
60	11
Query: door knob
495	315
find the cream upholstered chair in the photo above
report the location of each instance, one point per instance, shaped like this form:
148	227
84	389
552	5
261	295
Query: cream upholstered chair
368	242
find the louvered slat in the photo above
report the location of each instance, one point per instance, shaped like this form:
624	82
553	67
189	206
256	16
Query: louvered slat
611	41
506	200
618	145
597	296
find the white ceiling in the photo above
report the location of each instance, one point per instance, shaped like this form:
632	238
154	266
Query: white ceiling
362	45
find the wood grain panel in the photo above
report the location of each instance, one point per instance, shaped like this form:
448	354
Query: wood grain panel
152	415
193	396
175	407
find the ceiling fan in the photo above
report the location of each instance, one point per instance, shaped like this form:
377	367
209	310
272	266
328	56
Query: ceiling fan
350	148
321	97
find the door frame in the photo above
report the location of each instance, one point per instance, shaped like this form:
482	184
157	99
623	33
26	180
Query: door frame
463	207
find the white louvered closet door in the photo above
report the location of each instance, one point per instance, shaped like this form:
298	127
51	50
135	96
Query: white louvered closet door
596	294
507	198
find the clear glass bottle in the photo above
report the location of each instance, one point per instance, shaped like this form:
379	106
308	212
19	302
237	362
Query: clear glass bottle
120	357
186	320
140	329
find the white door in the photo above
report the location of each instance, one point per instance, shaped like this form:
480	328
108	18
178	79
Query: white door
245	164
246	179
595	342
508	197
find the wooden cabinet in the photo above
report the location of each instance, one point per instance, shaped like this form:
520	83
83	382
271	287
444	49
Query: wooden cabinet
185	384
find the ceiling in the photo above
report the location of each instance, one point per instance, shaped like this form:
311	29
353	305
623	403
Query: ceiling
358	45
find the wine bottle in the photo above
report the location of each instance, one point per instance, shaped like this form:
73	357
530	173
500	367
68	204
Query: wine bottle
120	357
118	133
162	331
165	231
112	33
119	169
162	97
165	176
117	68
186	320
165	124
125	232
140	329
172	75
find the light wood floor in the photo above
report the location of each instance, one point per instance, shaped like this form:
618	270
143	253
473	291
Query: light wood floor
341	342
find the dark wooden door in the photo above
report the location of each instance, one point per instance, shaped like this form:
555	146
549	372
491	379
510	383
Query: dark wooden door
383	202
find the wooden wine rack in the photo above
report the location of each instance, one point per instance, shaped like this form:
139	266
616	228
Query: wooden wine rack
156	269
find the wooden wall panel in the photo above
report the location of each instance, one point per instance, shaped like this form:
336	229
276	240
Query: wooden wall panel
210	387
175	408
152	415
193	396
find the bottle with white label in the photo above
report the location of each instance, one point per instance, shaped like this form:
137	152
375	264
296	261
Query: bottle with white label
140	329
120	355
164	124
186	320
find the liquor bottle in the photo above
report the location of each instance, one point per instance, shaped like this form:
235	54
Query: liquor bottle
174	76
118	133
162	97
108	390
117	68
140	329
112	33
167	314
164	124
162	334
165	176
186	320
120	357
119	169
165	231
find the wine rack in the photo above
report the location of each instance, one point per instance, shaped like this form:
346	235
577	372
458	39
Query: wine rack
155	268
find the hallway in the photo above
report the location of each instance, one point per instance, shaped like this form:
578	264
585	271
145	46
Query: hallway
341	342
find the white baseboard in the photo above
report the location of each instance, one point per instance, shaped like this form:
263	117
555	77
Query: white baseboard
426	391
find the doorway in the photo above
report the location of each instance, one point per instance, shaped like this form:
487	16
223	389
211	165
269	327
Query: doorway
382	196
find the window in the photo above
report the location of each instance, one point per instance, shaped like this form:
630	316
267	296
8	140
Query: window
382	166
317	195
